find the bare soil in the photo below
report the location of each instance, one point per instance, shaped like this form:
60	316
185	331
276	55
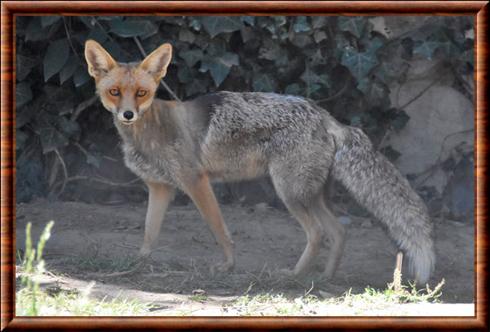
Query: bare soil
98	242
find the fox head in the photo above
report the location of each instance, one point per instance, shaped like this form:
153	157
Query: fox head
126	89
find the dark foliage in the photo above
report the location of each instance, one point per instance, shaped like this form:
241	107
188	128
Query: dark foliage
64	137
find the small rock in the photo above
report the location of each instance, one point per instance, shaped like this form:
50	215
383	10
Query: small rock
261	207
344	220
367	224
198	292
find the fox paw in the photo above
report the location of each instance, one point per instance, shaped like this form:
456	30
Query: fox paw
144	252
221	268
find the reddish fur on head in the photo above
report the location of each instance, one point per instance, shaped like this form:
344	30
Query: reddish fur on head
126	87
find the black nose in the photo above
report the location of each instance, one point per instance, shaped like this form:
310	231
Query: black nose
128	115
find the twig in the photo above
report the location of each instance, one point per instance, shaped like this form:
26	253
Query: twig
120	273
431	168
311	288
54	172
101	27
143	53
421	93
65	172
81	148
105	181
101	180
388	130
69	39
82	106
336	95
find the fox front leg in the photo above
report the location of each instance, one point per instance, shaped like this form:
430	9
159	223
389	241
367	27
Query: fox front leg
201	193
159	196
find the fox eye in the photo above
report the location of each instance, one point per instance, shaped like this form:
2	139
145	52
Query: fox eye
114	92
141	93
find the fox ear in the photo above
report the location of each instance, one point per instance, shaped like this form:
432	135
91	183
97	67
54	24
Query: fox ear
157	62
98	60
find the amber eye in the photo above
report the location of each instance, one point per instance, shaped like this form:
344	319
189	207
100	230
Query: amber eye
114	92
141	93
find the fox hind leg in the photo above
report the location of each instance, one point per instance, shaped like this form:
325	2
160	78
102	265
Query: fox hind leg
295	193
335	234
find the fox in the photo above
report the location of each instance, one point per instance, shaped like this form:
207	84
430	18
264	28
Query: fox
233	136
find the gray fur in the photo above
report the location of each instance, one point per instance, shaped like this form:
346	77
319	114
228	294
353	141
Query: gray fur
236	136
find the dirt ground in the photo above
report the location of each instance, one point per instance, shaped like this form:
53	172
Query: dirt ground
92	242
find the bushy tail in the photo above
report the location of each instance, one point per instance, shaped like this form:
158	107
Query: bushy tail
376	184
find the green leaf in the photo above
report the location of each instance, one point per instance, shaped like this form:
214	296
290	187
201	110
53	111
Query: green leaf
114	49
219	67
215	25
184	74
319	36
129	28
51	139
49	20
355	120
69	69
55	58
300	40
427	48
314	81
293	89
24	66
400	121
34	30
301	24
279	21
23	94
359	63
354	25
196	86
195	23
264	83
319	21
364	85
70	128
250	20
191	57
187	36
20	139
80	77
270	50
94	160
97	34
390	153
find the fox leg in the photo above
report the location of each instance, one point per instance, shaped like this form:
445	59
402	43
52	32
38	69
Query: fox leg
201	193
335	233
313	232
159	196
293	192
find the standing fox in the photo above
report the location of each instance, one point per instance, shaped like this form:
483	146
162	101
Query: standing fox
230	136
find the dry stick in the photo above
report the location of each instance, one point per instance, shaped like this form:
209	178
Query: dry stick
337	94
69	39
417	96
121	273
398	272
421	93
65	172
54	173
82	106
102	180
430	170
143	53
